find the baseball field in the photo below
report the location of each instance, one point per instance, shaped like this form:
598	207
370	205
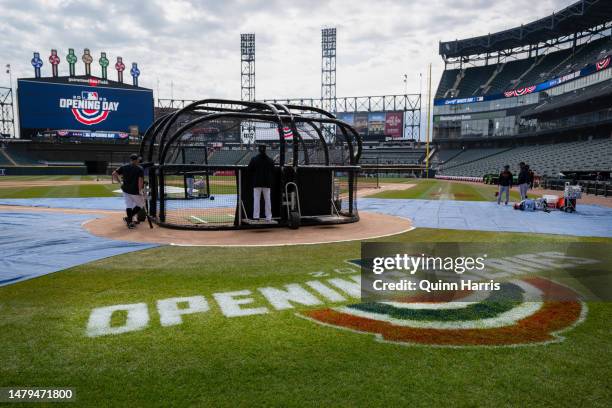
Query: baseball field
260	326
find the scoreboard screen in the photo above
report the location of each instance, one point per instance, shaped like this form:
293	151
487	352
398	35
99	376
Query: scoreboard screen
89	105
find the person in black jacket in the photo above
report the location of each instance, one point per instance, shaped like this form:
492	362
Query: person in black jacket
523	180
261	168
132	185
531	178
505	184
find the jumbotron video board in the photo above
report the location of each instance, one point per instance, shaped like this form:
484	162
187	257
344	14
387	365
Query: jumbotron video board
85	106
375	125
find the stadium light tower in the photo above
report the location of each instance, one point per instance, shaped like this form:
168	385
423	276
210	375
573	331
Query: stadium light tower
7	119
7	111
247	81
247	67
328	74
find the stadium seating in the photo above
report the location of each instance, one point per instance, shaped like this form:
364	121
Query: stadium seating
226	157
5	160
522	72
545	160
19	158
543	68
447	81
512	70
195	156
442	156
64	163
338	156
406	156
471	83
468	156
584	55
247	157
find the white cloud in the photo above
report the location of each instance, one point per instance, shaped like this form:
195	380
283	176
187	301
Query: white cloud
195	44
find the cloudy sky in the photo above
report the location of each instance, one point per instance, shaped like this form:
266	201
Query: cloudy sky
195	44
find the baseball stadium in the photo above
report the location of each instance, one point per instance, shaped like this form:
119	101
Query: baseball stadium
446	247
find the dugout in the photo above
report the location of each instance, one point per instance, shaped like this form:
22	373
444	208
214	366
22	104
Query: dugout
196	161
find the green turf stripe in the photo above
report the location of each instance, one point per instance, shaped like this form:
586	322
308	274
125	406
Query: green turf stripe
498	302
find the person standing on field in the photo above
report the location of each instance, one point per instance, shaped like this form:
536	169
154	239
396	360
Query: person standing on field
132	185
505	184
531	179
261	168
189	180
523	180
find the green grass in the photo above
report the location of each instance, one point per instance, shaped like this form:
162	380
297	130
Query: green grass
83	190
52	178
219	185
276	359
430	189
405	180
86	190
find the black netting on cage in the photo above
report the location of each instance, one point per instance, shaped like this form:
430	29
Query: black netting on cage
197	196
200	177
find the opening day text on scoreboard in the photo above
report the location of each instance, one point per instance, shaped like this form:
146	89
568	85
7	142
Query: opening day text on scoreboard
51	105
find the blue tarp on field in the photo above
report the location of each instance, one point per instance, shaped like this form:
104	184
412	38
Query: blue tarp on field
588	221
113	203
86	203
37	243
33	244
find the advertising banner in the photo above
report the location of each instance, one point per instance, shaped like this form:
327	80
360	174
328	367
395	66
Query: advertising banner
45	105
394	125
86	134
361	123
376	123
347	117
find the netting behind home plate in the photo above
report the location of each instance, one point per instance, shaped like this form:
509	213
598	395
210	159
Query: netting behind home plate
197	196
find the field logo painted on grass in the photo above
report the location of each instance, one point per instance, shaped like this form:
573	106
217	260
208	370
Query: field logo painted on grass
531	312
463	323
474	321
233	304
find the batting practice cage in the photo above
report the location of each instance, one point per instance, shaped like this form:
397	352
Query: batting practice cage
196	166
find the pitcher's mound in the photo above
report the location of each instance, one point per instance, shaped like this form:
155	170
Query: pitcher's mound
370	225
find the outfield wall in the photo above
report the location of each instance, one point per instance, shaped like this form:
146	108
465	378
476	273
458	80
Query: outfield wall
77	151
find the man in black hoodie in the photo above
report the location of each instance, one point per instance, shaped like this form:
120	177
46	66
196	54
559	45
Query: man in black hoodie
505	184
261	168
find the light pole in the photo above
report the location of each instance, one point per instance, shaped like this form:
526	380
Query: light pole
10	74
428	123
420	83
8	71
158	91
